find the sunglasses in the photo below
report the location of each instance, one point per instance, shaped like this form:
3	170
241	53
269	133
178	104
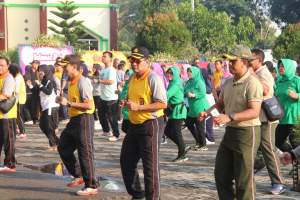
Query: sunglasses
134	60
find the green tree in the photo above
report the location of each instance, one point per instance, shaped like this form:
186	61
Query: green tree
12	55
246	32
132	13
212	31
234	8
164	32
285	10
67	26
48	41
287	44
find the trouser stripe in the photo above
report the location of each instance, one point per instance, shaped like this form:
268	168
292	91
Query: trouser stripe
273	154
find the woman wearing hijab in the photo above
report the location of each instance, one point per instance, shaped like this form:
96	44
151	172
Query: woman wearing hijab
176	112
157	68
49	115
287	90
123	96
195	90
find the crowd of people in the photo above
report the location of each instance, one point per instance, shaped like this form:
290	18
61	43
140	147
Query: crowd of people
157	101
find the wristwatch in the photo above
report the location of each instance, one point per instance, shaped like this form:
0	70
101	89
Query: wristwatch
231	116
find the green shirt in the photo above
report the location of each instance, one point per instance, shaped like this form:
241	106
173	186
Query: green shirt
290	106
175	95
196	85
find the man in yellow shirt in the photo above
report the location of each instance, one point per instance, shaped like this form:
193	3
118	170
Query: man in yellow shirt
7	120
79	133
146	100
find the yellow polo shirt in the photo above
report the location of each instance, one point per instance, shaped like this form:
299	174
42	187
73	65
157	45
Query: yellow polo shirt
144	91
7	87
80	90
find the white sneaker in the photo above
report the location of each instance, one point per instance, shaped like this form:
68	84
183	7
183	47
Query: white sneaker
87	191
108	134
209	142
65	121
29	122
113	139
98	126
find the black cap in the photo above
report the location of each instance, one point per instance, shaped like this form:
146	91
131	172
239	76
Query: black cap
139	53
35	61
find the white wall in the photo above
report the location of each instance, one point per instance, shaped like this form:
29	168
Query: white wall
16	25
96	19
22	1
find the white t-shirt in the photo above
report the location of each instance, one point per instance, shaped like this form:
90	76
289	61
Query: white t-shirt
108	92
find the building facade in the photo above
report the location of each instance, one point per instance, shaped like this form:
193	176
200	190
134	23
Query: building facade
21	23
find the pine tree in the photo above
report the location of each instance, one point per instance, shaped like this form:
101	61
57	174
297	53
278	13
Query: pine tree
68	28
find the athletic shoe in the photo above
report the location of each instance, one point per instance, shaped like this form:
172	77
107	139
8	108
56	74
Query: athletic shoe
278	189
195	147
76	182
64	121
21	136
203	148
258	167
181	159
199	148
164	140
108	134
87	191
210	142
29	123
7	169
98	126
186	149
113	139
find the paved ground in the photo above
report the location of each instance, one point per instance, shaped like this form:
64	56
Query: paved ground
190	180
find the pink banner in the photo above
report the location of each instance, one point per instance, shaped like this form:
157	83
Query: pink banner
46	55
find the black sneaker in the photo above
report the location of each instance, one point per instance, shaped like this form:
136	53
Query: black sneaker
258	166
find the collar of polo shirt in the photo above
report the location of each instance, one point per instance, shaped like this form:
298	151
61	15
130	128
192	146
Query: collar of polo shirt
241	80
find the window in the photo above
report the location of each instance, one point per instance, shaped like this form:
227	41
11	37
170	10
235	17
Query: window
89	42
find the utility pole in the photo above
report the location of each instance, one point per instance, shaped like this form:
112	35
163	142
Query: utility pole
193	5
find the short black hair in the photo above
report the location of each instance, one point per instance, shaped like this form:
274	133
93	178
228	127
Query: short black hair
259	53
109	53
121	66
5	58
52	68
220	61
14	70
269	65
74	59
298	70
